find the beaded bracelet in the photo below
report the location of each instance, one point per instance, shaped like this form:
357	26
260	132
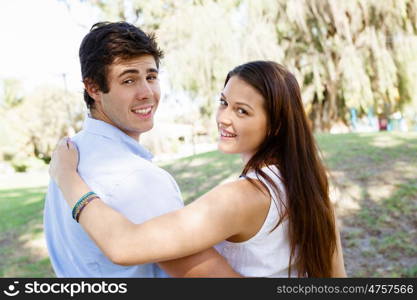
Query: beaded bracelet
83	201
79	202
88	200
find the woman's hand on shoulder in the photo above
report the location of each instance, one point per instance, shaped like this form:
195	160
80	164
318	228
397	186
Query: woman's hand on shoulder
64	161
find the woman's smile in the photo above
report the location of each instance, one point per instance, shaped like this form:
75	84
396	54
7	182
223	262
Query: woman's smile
226	135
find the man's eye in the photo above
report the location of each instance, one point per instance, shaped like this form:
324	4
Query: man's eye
152	77
223	102
128	81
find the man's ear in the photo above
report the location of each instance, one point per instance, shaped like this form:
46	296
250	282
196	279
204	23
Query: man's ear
92	89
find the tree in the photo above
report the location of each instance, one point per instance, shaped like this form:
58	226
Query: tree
43	118
11	92
356	54
345	53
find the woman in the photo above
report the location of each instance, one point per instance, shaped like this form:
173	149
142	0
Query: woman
276	220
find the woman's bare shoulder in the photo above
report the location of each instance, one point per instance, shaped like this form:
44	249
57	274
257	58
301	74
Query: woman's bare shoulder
243	194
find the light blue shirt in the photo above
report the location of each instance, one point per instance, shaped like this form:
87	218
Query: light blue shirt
118	169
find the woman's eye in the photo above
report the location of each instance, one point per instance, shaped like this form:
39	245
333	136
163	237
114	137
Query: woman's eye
241	111
223	102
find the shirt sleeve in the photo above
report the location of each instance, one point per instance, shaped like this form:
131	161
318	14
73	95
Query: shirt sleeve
144	194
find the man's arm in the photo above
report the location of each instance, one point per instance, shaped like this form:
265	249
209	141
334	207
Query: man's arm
207	263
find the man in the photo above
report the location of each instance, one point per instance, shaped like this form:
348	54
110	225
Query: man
119	66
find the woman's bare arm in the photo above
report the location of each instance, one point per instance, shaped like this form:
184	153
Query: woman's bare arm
196	227
338	264
216	216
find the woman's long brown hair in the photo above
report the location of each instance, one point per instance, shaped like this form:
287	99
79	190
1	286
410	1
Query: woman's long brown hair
290	145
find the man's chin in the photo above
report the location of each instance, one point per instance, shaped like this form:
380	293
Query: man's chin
145	129
148	127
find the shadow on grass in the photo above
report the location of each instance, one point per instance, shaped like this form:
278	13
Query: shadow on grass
22	251
198	174
380	238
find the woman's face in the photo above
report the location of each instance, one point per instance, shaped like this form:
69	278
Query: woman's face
241	119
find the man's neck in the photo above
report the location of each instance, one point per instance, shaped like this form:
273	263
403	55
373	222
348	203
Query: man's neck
98	115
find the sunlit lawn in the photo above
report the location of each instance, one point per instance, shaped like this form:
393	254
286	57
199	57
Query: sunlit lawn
22	252
374	173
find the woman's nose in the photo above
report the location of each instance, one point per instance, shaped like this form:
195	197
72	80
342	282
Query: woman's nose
223	117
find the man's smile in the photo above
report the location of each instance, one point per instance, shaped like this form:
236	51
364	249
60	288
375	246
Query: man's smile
143	112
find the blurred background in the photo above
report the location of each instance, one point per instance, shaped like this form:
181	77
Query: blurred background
355	60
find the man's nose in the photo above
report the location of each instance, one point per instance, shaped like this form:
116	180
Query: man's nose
144	90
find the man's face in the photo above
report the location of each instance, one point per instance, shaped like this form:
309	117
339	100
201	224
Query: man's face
133	95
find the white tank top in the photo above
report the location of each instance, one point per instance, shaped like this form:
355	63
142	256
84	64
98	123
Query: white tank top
267	253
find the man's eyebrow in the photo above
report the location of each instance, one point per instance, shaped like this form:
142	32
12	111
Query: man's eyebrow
136	71
238	103
152	70
128	71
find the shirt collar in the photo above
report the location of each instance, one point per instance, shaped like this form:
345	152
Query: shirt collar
102	128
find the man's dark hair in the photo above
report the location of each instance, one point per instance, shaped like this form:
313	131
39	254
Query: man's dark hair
107	42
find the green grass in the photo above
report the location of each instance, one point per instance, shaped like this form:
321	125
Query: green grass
198	174
351	150
18	206
21	213
383	167
411	271
379	238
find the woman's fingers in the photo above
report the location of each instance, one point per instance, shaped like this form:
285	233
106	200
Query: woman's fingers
64	160
64	144
71	145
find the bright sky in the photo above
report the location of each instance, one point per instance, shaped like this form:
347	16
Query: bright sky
40	40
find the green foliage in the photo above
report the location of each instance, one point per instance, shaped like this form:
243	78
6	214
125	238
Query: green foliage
352	54
12	92
34	126
7	156
20	167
